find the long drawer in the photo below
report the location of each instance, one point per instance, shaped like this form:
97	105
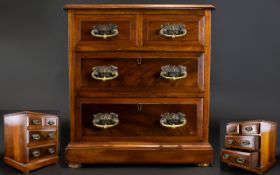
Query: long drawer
242	142
41	152
169	119
139	74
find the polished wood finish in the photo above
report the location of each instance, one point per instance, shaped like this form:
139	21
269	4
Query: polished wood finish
139	95
27	131
258	137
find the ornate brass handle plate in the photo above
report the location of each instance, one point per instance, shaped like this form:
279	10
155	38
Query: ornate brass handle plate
36	153
173	72
36	122
173	120
232	129
173	30
248	128
105	120
36	136
51	150
226	156
51	122
229	141
104	31
51	135
245	142
105	73
240	160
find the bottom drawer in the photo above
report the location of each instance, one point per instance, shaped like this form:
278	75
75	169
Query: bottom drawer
240	159
40	152
165	119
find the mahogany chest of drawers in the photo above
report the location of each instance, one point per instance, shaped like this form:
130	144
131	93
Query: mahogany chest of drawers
139	84
250	145
30	140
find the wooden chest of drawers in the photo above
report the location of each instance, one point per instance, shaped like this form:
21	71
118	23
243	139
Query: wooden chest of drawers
250	145
139	84
30	140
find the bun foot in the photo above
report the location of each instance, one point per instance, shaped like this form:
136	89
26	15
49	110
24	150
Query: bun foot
203	164
73	165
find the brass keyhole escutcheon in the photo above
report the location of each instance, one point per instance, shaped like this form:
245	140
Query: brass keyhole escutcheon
139	60
139	107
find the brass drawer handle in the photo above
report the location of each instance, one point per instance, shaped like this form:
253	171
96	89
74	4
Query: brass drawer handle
245	142
173	120
104	73
51	135
105	120
36	122
51	122
36	136
173	72
226	156
104	31
173	30
240	160
51	150
231	129
248	128
36	153
229	141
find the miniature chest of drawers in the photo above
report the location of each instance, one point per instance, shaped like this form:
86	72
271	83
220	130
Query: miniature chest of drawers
30	140
139	84
250	145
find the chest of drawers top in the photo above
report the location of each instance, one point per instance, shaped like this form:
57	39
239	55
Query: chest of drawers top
139	27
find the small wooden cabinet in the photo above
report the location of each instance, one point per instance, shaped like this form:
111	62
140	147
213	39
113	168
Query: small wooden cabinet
30	140
250	145
139	83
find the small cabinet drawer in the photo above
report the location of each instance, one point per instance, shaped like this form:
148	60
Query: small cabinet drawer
243	142
241	159
115	118
41	136
105	32
35	122
49	121
156	73
174	31
41	152
232	128
250	128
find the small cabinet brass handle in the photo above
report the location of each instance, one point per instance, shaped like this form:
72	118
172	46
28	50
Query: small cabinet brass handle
104	31
226	156
36	153
36	136
248	128
240	160
229	141
245	142
173	30
105	73
173	72
105	120
36	122
51	122
232	129
173	120
51	150
51	135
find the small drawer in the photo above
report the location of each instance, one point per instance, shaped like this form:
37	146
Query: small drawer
232	128
41	152
152	73
41	136
105	32
250	128
243	142
173	31
153	119
35	122
240	159
50	121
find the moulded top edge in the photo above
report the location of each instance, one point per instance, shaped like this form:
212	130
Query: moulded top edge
28	112
252	121
139	6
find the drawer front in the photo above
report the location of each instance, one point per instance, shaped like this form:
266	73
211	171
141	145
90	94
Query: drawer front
232	128
51	121
35	122
241	159
250	128
106	32
41	136
174	31
243	142
154	74
41	152
123	118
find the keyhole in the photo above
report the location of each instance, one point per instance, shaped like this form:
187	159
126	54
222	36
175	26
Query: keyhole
139	60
